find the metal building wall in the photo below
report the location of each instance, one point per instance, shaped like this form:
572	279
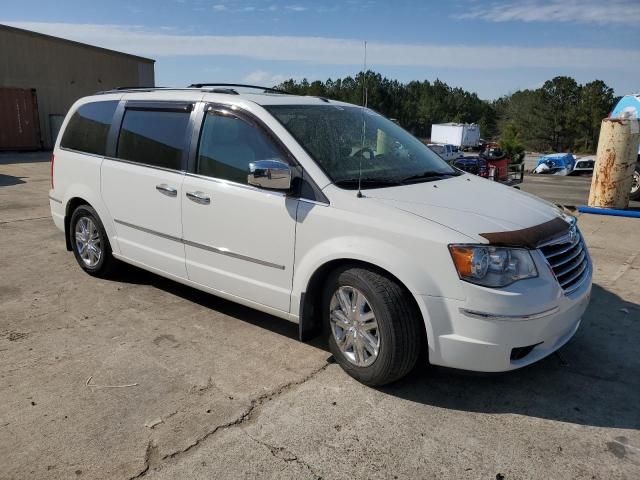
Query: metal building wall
62	71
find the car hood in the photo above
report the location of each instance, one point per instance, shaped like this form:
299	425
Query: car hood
468	204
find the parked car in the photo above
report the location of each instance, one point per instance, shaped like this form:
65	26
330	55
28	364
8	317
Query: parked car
474	165
277	202
583	165
446	151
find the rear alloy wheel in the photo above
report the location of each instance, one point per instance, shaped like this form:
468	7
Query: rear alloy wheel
635	184
87	242
90	243
374	327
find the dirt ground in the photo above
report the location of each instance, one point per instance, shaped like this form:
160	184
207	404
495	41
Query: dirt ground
142	377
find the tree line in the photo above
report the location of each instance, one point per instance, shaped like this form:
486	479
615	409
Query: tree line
561	115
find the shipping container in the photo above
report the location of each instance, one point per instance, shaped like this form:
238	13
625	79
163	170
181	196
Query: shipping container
19	121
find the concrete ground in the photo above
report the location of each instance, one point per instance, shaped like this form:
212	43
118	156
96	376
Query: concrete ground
142	377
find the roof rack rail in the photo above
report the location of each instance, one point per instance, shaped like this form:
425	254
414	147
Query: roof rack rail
230	91
210	87
241	85
131	89
150	87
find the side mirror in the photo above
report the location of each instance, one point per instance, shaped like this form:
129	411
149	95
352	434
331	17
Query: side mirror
270	174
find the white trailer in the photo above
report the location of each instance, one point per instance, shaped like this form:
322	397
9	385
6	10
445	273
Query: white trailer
459	134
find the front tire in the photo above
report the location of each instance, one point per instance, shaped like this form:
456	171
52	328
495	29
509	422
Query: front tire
90	243
374	327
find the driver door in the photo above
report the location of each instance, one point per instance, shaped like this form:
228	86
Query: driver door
239	239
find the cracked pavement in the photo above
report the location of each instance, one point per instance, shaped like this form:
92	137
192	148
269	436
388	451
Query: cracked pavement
223	391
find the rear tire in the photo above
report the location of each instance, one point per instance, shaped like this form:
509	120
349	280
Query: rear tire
374	327
89	242
635	186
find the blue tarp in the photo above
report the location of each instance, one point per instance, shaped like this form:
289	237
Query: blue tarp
629	106
558	160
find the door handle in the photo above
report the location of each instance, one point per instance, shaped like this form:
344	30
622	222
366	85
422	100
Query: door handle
199	197
167	190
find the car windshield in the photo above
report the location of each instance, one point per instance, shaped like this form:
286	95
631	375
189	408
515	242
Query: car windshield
350	142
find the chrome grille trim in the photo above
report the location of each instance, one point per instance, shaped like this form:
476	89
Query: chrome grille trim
574	252
570	267
568	259
564	249
581	269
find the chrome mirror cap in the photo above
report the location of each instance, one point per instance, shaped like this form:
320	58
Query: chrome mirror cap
270	174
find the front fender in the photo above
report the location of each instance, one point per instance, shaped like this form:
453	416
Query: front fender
396	261
399	262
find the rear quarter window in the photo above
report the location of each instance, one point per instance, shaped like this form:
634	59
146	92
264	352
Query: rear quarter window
88	127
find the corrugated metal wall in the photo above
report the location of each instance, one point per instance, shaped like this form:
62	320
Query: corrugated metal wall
62	71
19	122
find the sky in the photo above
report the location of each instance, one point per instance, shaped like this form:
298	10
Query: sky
492	48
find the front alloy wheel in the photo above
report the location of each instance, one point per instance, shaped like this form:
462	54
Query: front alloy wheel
354	326
373	325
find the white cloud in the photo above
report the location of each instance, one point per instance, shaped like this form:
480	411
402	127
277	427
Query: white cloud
220	7
622	12
295	8
337	51
260	77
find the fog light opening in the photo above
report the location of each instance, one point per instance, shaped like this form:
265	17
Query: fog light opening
519	353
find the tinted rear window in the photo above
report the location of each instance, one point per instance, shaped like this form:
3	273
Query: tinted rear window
88	127
153	137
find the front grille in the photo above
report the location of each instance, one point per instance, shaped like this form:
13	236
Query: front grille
568	258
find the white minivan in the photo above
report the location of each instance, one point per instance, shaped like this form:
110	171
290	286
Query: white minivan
323	213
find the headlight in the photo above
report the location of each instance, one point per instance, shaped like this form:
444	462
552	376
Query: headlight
492	266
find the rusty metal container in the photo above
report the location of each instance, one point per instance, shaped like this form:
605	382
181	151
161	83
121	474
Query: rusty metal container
615	163
19	121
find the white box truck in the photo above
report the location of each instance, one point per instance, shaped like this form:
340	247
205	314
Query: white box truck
462	135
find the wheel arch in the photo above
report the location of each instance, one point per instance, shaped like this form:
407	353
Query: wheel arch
79	194
71	206
310	321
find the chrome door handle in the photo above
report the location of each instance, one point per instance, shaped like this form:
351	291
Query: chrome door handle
167	190
199	197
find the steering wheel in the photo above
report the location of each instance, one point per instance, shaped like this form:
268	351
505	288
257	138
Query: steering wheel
364	150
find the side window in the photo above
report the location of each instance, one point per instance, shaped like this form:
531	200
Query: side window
227	146
153	137
88	127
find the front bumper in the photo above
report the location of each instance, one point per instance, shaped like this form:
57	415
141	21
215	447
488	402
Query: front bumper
460	337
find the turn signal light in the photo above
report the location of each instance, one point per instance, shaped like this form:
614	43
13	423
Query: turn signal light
463	259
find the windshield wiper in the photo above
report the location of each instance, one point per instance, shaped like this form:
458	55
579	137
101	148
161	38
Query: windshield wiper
429	175
370	182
